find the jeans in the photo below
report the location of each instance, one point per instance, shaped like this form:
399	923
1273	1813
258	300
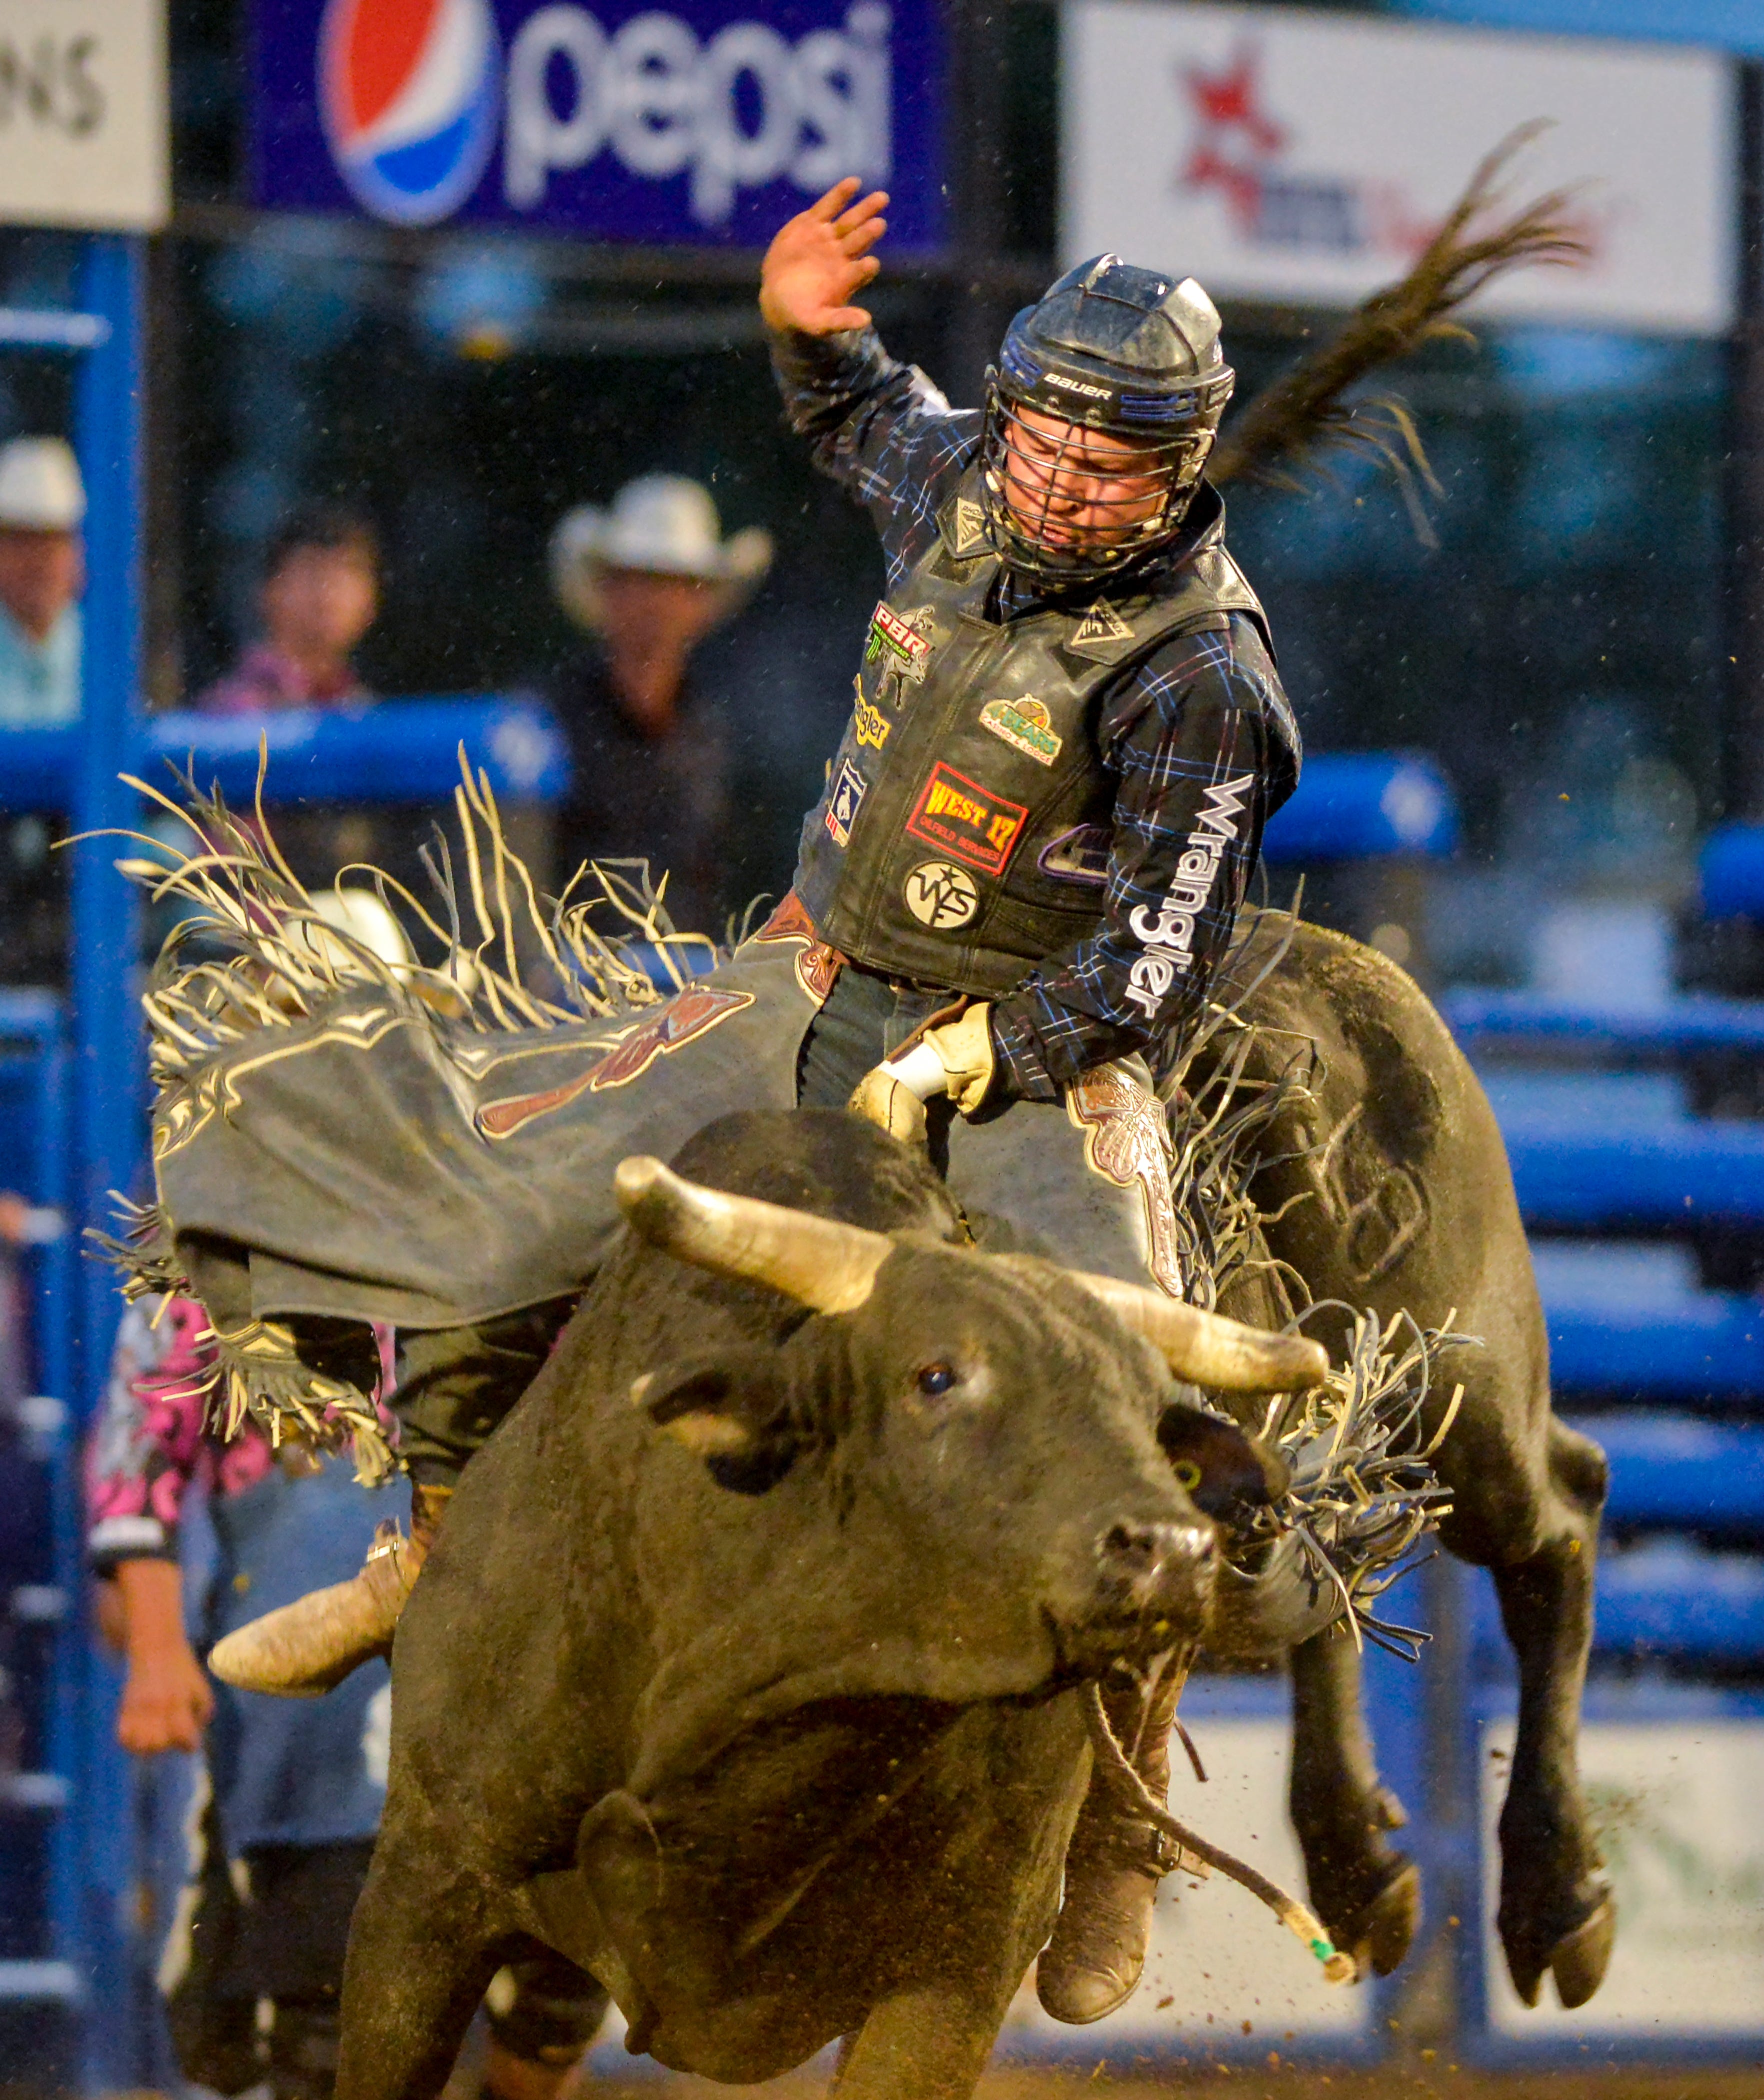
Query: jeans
865	1021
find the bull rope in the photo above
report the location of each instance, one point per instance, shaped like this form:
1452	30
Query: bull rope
1118	1774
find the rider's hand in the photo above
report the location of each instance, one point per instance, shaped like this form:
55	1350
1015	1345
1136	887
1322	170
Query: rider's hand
956	1059
819	259
166	1702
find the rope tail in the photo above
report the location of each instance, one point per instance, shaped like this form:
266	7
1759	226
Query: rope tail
1112	1761
1306	414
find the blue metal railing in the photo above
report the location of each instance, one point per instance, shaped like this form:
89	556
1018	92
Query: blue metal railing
1364	806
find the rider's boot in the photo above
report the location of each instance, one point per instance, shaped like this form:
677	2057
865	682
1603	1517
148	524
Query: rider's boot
1113	1866
311	1645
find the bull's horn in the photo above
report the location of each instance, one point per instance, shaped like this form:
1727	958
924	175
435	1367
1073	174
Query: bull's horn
817	1261
1205	1348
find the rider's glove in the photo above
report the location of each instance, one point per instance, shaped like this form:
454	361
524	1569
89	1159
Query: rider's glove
956	1059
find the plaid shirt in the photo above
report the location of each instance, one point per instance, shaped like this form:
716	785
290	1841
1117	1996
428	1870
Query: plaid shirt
1201	711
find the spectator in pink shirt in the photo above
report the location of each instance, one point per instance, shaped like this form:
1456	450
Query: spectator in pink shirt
321	593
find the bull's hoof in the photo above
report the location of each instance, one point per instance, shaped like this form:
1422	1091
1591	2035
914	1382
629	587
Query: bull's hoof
1385	1930
1577	1959
1578	1963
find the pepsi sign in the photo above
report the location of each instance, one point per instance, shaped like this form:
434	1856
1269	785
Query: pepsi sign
707	122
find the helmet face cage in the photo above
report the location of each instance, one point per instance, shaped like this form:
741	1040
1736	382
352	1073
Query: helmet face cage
1035	480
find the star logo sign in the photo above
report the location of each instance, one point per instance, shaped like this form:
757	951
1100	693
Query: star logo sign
1235	138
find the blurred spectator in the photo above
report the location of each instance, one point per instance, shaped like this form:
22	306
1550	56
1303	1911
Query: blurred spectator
42	572
649	579
321	593
254	1969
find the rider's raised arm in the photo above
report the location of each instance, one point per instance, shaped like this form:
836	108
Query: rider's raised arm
1205	748
879	427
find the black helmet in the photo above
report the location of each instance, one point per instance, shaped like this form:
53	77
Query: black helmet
1123	351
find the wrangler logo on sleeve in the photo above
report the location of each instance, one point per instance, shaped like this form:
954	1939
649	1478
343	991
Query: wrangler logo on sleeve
1168	932
967	819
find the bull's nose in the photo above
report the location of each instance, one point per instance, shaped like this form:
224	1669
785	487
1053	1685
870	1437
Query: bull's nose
1141	1557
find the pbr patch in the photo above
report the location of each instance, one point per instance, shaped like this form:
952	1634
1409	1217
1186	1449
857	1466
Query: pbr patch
1101	627
1026	724
872	724
941	895
967	819
899	642
692	1013
844	803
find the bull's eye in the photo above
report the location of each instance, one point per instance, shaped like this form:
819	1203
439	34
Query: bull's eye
936	1379
1187	1472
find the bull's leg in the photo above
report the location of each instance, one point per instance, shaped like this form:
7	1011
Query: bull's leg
420	1954
1556	1911
1367	1893
926	2044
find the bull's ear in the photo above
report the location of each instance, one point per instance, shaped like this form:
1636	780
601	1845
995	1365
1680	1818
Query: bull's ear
728	1410
1227	1472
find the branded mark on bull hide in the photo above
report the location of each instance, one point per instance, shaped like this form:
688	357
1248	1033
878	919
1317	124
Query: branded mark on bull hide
843	803
1026	724
1168	932
941	895
872	724
967	819
694	1013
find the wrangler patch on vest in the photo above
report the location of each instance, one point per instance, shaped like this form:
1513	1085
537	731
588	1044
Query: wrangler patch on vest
967	819
869	725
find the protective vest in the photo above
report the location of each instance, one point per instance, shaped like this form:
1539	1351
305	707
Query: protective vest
965	832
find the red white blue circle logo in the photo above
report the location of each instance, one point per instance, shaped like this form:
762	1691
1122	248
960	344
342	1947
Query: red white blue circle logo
407	93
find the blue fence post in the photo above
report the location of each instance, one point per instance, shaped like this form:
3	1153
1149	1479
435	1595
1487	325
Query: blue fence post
108	1099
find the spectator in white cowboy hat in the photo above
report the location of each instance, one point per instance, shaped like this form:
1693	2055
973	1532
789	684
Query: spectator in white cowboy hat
42	572
649	578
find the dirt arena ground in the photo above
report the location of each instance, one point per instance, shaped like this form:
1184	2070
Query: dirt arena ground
1281	2081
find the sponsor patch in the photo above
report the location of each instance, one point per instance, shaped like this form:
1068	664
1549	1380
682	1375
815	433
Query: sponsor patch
843	803
1101	627
872	724
941	895
898	640
1026	724
967	819
967	528
1078	855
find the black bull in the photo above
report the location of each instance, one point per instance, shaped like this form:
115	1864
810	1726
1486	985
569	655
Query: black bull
771	1733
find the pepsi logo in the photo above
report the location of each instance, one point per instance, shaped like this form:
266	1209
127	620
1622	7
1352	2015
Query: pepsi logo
408	95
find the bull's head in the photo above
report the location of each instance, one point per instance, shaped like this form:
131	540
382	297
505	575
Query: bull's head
1021	1420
